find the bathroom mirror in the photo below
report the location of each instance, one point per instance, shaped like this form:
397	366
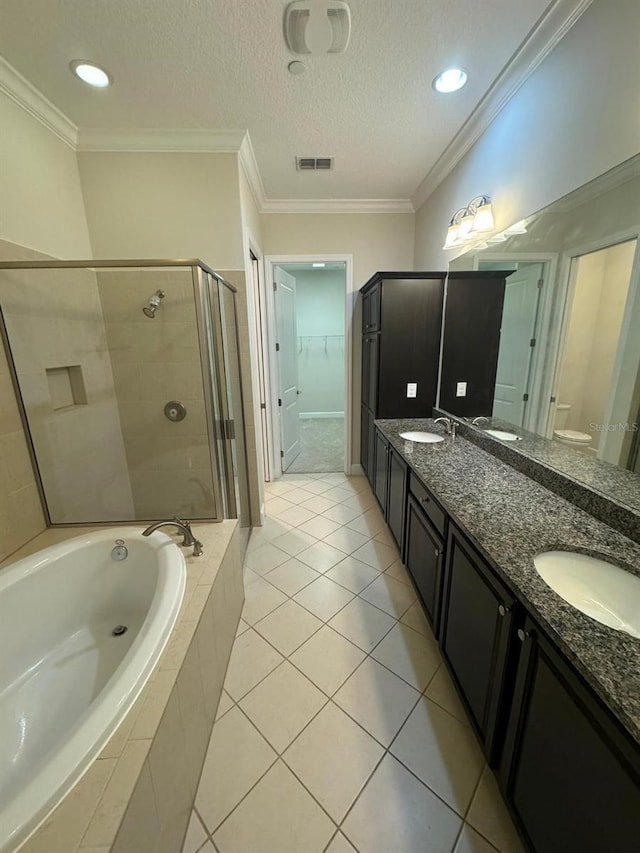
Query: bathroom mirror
567	383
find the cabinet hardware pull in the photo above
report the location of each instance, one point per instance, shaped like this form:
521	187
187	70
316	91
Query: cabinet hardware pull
437	553
502	610
425	500
522	635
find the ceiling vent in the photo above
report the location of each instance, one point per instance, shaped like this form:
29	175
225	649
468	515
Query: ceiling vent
314	164
317	26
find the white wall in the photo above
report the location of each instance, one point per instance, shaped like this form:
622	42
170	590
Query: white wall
576	117
163	205
320	304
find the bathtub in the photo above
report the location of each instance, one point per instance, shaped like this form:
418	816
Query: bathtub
66	680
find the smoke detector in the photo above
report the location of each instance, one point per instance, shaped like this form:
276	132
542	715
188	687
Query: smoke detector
317	26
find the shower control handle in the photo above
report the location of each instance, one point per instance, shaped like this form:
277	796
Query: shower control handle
175	411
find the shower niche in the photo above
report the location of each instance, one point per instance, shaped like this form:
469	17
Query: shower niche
98	351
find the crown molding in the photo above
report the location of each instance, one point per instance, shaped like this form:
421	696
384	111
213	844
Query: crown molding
338	205
189	141
249	165
22	92
554	24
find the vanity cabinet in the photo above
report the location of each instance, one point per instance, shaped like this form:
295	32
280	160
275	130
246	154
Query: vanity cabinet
367	442
570	776
424	554
381	474
397	497
401	324
476	628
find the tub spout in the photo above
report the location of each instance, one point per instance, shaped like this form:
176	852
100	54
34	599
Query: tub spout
188	541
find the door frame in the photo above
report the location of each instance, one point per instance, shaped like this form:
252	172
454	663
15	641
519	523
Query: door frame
547	331
271	261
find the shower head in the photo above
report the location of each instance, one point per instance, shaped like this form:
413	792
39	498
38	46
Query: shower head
154	303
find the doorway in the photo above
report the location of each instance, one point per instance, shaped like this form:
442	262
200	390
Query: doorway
309	360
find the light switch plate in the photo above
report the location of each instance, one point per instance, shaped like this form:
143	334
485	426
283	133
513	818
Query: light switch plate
412	389
461	389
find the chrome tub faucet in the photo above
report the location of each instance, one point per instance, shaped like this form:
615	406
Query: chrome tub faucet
188	541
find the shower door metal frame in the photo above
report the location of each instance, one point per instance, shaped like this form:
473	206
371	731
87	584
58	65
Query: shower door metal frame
197	267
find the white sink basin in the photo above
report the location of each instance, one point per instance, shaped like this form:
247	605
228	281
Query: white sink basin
604	592
422	437
505	436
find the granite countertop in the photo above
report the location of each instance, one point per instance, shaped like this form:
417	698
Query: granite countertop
510	518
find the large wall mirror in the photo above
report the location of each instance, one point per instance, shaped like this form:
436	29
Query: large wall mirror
567	382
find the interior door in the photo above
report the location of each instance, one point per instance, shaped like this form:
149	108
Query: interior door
287	359
515	356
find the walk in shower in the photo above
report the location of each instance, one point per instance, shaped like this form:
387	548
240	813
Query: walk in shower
127	375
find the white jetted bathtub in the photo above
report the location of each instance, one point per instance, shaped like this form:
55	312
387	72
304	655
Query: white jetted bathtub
68	671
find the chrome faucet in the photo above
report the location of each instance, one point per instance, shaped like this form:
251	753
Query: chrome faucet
449	426
184	527
476	421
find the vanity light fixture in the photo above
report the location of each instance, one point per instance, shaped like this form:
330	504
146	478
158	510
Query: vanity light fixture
470	221
90	73
450	80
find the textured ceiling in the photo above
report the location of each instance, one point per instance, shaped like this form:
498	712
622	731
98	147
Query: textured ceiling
223	64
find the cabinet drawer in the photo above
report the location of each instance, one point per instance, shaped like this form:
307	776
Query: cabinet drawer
430	507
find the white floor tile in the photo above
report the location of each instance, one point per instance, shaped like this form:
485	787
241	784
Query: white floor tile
376	554
324	598
318	503
224	705
338	494
470	842
341	513
352	574
442	752
346	540
299	495
369	522
377	699
410	655
282	705
297	515
251	659
321	556
318	487
196	836
260	598
333	757
278	816
242	625
415	618
362	623
319	526
442	691
271	528
489	816
278	487
265	558
237	757
398	572
396	812
291	576
363	501
339	844
294	541
288	627
328	659
390	595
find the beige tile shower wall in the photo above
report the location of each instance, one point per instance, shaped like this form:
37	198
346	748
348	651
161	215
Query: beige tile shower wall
153	362
238	279
54	320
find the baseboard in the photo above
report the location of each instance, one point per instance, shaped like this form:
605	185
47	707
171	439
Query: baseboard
321	414
357	470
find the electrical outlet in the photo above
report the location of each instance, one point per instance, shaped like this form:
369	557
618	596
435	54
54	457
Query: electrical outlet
461	389
412	389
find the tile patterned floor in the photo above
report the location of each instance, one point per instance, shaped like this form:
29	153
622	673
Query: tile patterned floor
339	729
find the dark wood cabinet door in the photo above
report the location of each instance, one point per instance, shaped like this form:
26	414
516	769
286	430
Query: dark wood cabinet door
371	446
570	776
397	497
373	311
424	550
364	439
374	359
366	370
475	635
381	469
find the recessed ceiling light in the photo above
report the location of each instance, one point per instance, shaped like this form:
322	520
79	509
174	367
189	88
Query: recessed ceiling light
450	80
90	73
318	265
